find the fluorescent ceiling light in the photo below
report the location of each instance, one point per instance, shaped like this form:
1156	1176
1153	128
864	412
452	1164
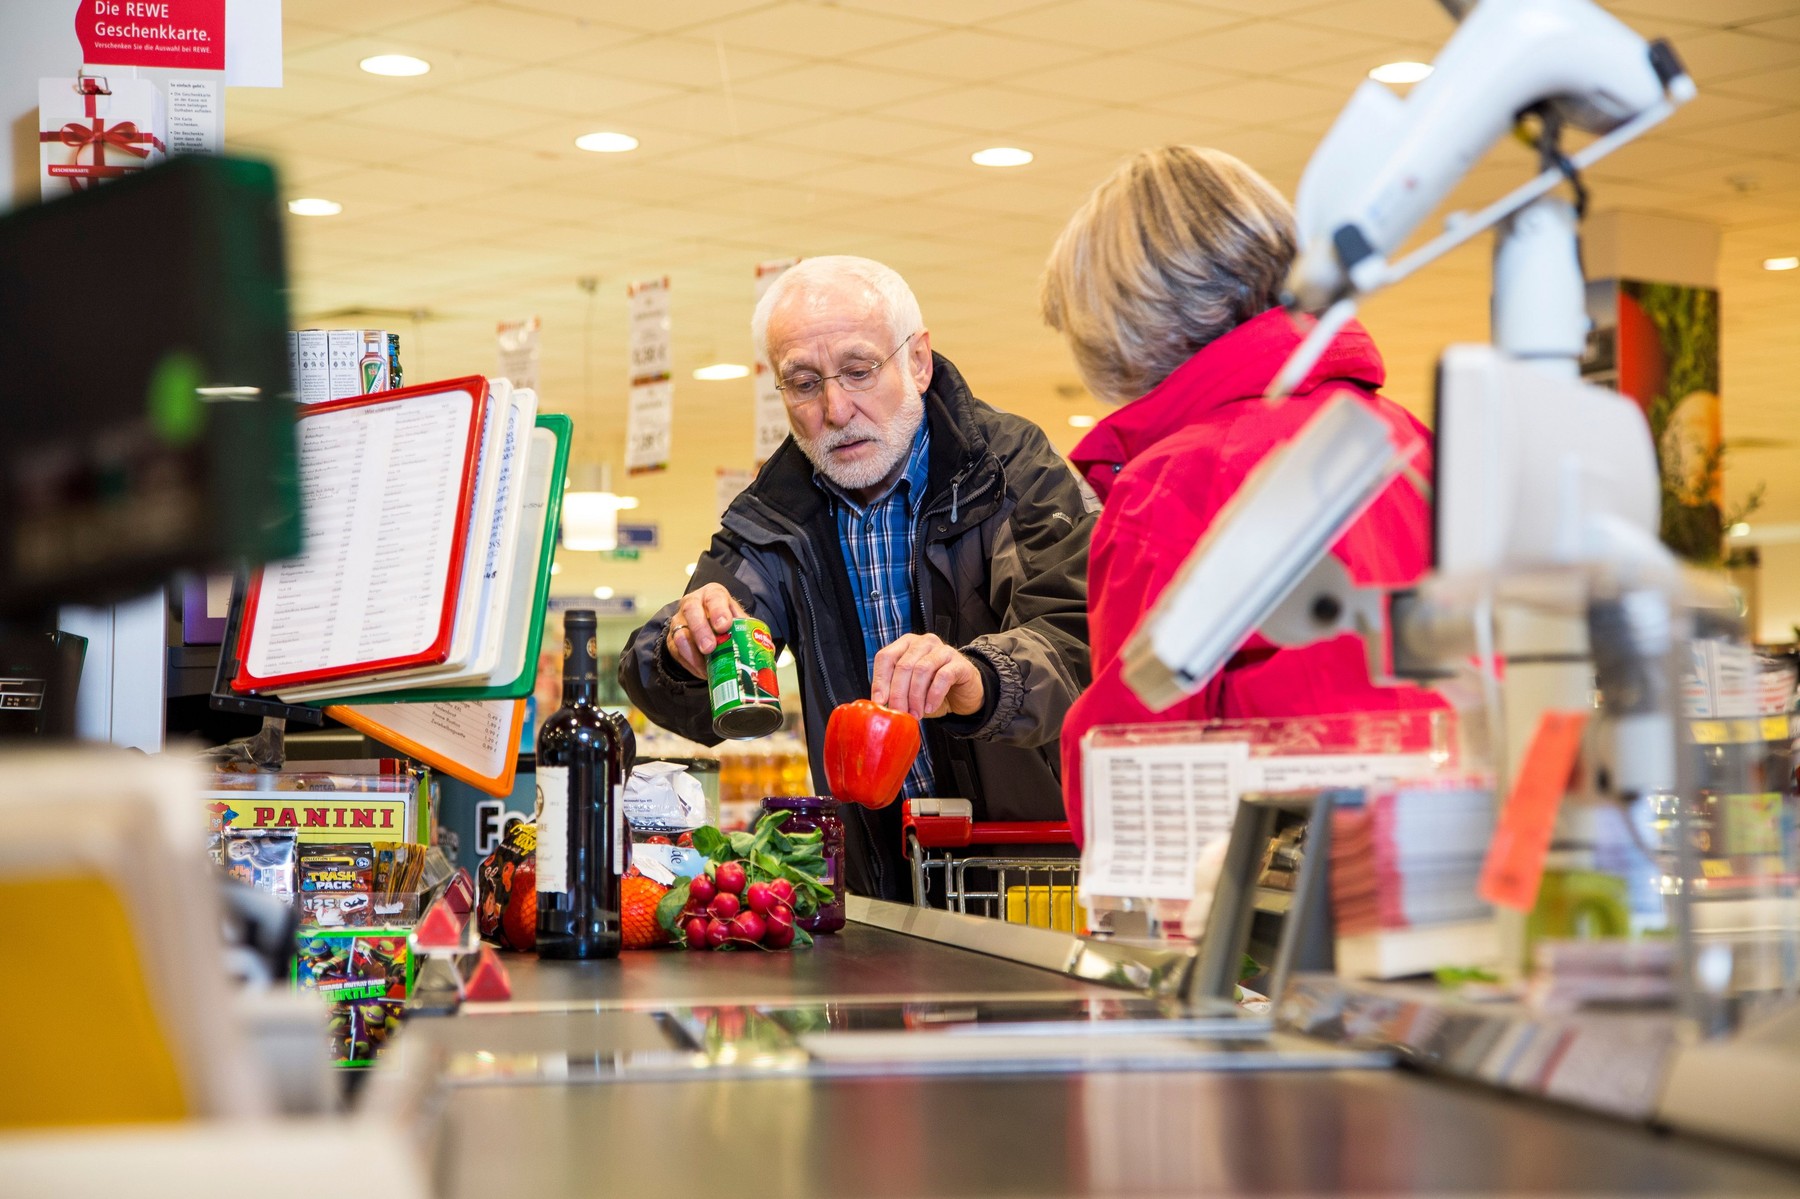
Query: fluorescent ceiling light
1740	529
607	143
723	370
1781	264
1082	420
603	593
1400	72
394	64
1001	156
313	206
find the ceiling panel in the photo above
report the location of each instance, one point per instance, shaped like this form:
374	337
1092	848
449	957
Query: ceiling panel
1113	24
964	55
358	16
813	30
1270	47
679	62
841	86
996	110
580	94
1121	79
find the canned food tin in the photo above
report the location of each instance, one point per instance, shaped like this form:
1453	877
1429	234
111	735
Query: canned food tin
741	676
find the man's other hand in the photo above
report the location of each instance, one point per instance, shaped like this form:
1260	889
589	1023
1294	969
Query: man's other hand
699	624
921	675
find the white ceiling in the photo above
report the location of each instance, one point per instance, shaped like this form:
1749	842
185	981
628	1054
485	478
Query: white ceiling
777	128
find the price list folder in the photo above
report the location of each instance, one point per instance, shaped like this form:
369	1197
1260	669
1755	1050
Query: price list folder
516	575
386	486
415	611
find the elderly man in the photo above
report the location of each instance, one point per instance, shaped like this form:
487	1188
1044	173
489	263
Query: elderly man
910	544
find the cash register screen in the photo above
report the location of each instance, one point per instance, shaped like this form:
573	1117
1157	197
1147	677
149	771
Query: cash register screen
146	422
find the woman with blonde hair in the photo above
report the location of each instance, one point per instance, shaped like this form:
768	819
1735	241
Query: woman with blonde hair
1166	283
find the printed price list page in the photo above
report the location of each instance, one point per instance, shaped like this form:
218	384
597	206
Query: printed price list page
379	487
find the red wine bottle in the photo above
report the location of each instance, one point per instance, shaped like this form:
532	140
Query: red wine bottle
582	843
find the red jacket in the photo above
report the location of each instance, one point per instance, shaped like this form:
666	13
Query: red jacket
1166	464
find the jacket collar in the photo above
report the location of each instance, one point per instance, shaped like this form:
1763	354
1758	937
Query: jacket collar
783	492
1237	366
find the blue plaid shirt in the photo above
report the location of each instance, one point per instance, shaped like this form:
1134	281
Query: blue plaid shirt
879	543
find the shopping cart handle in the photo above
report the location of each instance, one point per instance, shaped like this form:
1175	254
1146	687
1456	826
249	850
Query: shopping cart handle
950	824
1022	832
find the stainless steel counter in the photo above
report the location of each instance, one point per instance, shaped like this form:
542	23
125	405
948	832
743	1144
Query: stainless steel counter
1082	1134
861	963
970	1132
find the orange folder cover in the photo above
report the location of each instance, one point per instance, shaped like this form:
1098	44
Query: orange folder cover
476	741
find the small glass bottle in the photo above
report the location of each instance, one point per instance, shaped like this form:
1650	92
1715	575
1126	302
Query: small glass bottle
818	812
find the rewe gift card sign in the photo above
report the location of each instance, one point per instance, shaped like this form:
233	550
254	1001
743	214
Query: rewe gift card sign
183	34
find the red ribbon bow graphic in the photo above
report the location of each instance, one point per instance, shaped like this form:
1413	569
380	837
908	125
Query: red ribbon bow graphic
123	135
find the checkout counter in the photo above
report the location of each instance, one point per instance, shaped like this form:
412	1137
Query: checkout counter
894	1062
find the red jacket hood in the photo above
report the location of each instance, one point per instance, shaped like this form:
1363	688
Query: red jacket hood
1238	366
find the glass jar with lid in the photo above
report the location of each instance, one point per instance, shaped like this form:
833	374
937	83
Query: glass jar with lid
820	812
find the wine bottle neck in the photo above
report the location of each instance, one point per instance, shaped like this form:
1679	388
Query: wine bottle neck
581	670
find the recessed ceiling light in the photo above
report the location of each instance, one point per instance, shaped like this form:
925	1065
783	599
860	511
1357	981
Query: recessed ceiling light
1400	72
690	567
556	568
723	370
1083	421
1740	529
603	593
394	64
314	206
1001	156
1781	264
607	143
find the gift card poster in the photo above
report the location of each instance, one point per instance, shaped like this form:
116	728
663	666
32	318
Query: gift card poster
1658	343
365	975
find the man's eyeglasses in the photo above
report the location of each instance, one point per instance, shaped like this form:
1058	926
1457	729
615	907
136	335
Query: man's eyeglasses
855	376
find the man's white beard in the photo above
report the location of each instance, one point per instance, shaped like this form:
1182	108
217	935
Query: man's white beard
892	444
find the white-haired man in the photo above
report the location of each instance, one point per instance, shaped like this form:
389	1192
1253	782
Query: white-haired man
910	544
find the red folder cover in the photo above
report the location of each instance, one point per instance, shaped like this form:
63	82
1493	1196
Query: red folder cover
466	458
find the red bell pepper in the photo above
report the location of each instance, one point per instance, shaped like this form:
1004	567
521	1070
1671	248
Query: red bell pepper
868	750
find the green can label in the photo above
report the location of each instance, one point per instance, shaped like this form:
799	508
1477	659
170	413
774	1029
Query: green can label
741	674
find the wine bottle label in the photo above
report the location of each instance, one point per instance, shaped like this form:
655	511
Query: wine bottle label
553	830
620	836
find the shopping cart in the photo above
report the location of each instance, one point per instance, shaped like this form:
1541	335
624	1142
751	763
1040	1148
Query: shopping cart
1035	890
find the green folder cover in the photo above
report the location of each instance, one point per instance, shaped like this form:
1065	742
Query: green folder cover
564	430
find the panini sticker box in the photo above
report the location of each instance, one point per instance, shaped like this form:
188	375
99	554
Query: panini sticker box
365	975
317	817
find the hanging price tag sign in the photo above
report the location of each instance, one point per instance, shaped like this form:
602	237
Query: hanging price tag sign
770	412
650	357
650	413
647	424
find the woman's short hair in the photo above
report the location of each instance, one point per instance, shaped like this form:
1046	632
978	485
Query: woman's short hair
1177	248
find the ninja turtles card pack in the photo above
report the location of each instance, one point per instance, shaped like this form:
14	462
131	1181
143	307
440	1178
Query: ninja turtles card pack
365	975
